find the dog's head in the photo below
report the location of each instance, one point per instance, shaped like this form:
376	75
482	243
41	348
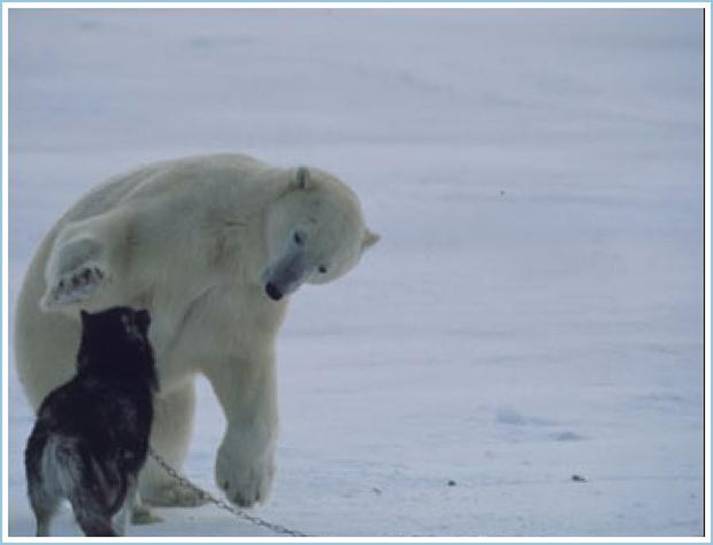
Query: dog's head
117	340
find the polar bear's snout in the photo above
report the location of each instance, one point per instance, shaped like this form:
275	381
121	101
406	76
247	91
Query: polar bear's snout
273	291
285	276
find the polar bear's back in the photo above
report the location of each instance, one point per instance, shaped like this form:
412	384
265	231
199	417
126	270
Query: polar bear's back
158	175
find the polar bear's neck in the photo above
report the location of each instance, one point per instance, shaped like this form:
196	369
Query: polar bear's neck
242	223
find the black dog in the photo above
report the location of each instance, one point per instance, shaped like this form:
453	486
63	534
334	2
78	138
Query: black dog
92	434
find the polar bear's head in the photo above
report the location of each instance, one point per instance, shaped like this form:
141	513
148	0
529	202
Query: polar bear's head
315	233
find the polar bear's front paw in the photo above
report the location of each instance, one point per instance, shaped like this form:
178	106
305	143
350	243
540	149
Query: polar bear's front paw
74	286
244	483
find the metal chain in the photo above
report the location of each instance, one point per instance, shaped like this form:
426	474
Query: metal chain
183	481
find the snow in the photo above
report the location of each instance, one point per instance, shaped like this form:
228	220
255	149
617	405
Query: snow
534	309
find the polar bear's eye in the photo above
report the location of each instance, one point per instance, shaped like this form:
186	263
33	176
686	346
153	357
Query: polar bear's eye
299	239
322	269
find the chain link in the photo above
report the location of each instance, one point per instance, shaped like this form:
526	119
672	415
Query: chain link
183	481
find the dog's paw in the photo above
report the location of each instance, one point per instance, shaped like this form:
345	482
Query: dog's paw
244	482
175	495
143	515
74	286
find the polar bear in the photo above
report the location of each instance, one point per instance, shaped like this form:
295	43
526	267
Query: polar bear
212	246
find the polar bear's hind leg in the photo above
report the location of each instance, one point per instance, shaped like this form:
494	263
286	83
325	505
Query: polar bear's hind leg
74	286
170	436
73	273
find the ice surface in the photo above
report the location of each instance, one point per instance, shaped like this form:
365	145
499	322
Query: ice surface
534	308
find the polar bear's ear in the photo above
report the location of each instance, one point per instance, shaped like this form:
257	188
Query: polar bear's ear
370	238
301	179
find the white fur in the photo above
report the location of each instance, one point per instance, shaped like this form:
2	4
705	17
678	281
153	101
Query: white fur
194	241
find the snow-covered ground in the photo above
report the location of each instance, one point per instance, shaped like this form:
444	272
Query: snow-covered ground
534	309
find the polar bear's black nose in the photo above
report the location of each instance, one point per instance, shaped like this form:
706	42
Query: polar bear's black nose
273	292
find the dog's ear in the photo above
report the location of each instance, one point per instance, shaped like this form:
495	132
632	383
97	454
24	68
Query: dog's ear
143	319
84	315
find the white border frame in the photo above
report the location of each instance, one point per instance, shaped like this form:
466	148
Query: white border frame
464	4
706	538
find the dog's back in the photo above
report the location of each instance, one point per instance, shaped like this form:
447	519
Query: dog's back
91	435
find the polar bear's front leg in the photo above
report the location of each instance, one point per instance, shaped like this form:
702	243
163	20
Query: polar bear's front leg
245	464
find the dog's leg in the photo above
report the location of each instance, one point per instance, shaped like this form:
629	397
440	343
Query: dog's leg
44	512
122	517
43	527
43	501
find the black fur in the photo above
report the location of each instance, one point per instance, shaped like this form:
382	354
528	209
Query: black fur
92	434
